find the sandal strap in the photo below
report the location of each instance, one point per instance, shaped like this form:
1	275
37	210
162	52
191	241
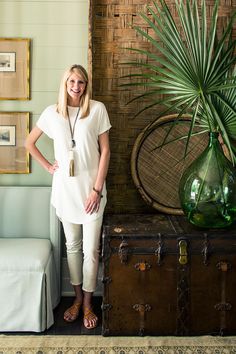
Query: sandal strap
89	314
74	309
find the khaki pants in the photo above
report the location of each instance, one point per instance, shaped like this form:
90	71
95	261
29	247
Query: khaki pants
82	244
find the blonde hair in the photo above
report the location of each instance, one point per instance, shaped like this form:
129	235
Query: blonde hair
62	96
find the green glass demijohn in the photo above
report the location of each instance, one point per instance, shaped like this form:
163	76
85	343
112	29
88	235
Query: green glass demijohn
207	189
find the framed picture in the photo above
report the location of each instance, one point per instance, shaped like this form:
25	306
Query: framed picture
7	135
7	61
14	68
14	128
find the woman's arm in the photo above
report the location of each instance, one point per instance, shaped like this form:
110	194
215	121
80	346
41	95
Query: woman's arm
30	145
93	201
104	161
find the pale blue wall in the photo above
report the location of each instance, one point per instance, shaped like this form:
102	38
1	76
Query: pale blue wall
59	37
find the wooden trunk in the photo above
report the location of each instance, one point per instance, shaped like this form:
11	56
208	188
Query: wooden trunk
162	276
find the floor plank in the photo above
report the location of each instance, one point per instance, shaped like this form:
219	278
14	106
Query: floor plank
61	327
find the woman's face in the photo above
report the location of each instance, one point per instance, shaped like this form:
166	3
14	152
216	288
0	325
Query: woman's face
75	88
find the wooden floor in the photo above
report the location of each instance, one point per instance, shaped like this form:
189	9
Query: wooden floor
61	327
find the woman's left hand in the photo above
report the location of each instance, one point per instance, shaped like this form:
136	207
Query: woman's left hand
92	203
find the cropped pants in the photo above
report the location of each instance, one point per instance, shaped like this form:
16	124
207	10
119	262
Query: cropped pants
82	245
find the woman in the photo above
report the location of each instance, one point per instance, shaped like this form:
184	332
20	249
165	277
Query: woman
79	128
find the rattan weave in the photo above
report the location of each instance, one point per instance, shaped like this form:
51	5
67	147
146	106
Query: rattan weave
111	29
157	169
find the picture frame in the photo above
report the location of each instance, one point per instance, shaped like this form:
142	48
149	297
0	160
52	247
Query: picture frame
14	128
14	68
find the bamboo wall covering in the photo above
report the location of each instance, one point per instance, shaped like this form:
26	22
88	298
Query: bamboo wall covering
111	30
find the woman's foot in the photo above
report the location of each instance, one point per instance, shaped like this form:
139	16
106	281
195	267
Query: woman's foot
72	313
90	319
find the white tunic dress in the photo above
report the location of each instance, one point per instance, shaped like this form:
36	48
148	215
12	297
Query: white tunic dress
70	193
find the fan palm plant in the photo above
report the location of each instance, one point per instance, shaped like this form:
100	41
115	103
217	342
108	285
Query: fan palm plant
191	71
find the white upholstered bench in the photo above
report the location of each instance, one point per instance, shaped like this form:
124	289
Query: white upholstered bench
30	256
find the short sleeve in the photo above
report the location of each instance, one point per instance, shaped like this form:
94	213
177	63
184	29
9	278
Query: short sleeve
104	121
45	120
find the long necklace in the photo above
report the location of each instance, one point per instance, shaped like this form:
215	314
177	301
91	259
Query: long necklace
72	129
73	144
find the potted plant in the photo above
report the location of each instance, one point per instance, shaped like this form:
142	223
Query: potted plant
192	71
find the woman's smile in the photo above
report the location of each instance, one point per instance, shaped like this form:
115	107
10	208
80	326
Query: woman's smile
75	87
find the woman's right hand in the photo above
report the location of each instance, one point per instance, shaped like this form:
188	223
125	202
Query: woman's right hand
52	168
30	145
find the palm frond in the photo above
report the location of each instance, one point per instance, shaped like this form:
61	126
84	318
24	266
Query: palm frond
190	66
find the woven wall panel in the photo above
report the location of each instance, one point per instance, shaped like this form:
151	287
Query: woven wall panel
111	30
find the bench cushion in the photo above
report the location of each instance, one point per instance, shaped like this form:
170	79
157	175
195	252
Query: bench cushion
18	254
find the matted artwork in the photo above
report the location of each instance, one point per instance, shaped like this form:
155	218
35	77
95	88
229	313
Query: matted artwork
14	68
7	61
7	135
14	128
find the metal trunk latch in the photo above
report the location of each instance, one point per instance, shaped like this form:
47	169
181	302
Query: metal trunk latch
224	266
205	250
183	255
123	252
142	266
142	308
158	251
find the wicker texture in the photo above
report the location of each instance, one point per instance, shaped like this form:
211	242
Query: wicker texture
157	169
111	30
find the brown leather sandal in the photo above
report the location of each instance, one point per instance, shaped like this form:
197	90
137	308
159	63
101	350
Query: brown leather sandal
89	316
72	312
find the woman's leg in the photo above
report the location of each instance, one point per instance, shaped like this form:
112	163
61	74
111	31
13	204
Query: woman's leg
91	245
73	235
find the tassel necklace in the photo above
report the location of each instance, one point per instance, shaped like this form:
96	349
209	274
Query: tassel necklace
73	144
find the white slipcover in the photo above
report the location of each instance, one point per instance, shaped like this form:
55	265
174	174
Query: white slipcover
29	259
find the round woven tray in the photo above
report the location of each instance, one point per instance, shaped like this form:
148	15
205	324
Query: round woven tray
156	170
